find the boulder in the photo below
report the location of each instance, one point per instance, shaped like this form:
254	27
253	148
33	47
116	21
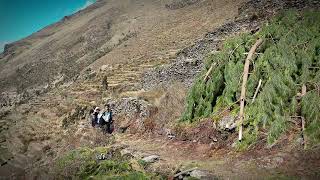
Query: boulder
130	107
202	174
227	123
126	152
151	159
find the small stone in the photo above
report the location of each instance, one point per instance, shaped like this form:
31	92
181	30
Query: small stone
125	152
234	144
151	159
278	160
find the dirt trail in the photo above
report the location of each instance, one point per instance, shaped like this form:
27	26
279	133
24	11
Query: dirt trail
262	164
174	154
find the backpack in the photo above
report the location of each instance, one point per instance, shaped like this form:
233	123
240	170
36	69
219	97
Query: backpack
99	118
106	117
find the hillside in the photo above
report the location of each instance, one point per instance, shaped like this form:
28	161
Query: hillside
109	33
148	60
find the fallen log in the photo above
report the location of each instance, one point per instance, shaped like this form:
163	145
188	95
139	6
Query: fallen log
244	84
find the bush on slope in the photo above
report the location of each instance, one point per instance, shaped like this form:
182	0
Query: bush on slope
288	58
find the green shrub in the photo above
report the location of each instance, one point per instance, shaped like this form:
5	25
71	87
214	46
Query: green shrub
288	58
82	163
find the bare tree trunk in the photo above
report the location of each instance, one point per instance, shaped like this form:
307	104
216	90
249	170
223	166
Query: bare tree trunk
303	90
303	122
244	84
208	73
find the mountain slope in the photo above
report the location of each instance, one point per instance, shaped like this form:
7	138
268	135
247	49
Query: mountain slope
148	52
107	32
45	76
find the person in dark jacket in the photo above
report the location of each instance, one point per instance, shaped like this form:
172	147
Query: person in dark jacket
101	120
110	122
107	120
94	116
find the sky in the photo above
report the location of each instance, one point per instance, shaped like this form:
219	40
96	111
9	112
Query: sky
21	18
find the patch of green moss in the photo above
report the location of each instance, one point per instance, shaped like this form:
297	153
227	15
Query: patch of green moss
83	163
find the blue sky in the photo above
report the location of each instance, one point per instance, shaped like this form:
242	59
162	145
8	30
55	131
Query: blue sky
20	18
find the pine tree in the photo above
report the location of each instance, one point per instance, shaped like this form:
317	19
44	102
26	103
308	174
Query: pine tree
288	58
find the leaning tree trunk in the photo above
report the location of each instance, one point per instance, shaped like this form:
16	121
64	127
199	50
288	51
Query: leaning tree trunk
244	84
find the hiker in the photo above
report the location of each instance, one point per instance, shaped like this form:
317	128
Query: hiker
90	115
107	120
101	122
94	116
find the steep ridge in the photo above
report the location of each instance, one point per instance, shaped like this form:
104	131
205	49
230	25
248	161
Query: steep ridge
131	45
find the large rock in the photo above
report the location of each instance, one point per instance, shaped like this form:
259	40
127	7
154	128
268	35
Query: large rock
227	123
151	159
129	110
202	174
183	70
130	107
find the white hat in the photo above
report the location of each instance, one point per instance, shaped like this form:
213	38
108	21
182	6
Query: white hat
96	109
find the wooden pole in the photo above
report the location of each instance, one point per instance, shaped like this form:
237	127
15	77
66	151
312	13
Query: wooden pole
303	90
257	90
244	83
303	122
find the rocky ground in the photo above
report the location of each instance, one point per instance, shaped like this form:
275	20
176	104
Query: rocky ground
149	60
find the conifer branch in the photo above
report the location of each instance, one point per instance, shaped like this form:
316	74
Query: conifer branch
314	67
220	113
231	53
